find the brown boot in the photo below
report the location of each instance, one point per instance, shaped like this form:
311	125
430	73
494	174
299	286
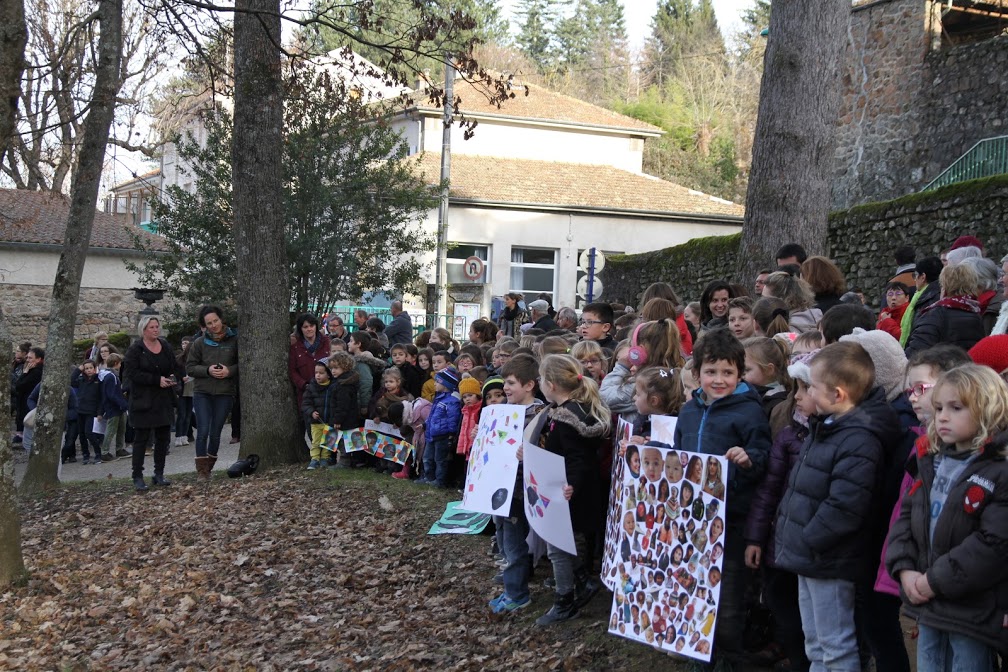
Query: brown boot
211	461
202	470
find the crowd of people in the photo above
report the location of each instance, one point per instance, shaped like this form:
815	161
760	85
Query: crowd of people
866	451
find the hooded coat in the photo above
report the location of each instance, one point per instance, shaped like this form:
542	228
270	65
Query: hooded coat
336	403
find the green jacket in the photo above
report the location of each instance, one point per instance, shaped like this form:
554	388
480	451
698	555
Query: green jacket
204	353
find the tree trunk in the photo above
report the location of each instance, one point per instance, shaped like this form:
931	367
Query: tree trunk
788	199
13	38
51	414
269	427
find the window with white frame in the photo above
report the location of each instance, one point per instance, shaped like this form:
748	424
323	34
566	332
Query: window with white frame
533	271
455	262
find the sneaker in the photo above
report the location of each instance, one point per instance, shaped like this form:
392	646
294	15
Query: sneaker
549	582
108	457
123	452
502	563
313	465
422	481
505	605
493	603
332	461
86	460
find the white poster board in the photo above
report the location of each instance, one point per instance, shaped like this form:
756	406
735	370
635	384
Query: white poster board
663	428
671	550
493	463
547	511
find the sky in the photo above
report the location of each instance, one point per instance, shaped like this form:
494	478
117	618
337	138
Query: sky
638	15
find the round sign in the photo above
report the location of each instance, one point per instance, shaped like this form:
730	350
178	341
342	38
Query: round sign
582	287
584	260
473	267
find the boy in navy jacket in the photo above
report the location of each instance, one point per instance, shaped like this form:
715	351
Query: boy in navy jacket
442	428
725	417
825	514
85	381
113	410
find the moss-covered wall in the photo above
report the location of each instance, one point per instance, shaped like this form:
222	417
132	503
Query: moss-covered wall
860	240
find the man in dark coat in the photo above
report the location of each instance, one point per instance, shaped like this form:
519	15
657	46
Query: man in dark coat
400	330
540	316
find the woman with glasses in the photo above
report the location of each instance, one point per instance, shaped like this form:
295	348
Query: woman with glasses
897	299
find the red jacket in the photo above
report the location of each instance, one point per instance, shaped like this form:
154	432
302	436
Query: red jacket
685	340
891	324
301	364
470	418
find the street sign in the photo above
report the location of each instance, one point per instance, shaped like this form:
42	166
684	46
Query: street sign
473	267
582	288
584	260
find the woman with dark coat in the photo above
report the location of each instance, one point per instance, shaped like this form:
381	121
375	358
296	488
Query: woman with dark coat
307	347
955	318
152	371
513	315
31	375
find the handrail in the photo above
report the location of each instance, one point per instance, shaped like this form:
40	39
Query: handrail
984	159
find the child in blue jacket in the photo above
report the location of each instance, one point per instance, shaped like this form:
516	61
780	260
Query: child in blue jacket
725	417
113	410
442	428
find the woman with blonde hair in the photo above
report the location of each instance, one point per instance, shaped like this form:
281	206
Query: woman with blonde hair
955	318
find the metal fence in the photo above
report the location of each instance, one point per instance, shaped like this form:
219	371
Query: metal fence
984	159
420	322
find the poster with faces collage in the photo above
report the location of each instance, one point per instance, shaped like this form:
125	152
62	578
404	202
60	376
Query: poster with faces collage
666	566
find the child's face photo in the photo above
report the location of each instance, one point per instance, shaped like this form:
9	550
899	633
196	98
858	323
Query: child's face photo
464	364
628	523
440	362
673	468
591	328
470	399
398	357
652	464
803	400
633	462
495	397
920	380
718	379
716	529
740	323
357	439
423	361
321	376
391	385
372	440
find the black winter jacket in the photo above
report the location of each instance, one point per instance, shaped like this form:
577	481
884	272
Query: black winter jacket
150	405
942	324
736	420
965	560
783	457
336	402
832	497
573	434
89	392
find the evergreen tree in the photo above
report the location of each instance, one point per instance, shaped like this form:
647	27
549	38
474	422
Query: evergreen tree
680	30
535	31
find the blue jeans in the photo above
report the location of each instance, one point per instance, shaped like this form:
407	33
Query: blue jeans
827	614
437	459
211	414
515	549
183	415
941	651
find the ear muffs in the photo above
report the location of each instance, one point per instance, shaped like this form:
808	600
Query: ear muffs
637	356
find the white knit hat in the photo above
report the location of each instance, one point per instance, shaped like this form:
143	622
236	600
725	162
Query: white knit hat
887	355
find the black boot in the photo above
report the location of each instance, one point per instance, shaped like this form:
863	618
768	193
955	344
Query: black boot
563	609
141	486
159	479
585	588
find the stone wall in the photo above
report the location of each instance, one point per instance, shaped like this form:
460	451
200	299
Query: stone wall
860	240
26	309
911	106
687	267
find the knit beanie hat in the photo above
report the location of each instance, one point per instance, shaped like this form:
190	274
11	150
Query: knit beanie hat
799	368
325	365
966	241
493	383
887	355
991	351
448	377
469	385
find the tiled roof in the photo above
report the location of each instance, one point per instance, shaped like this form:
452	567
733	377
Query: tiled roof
540	103
549	183
40	217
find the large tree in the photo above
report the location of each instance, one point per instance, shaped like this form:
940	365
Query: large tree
789	189
49	420
681	31
352	202
13	38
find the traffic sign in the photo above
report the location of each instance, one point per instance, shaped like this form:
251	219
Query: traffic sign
473	267
582	287
584	260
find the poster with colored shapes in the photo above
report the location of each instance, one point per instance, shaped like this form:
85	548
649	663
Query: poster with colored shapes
370	440
547	510
624	431
670	550
456	520
493	461
663	429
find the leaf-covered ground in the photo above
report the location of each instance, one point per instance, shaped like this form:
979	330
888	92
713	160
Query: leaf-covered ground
288	570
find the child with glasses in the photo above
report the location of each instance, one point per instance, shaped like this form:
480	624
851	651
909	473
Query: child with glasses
592	359
596	323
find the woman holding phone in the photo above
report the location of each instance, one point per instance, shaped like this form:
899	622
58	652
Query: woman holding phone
150	375
213	365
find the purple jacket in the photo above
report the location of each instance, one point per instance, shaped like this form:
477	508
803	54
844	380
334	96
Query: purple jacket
763	510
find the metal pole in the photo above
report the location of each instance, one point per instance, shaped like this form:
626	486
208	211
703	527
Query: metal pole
591	274
442	243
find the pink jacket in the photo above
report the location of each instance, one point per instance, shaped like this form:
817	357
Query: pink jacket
883	582
470	418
